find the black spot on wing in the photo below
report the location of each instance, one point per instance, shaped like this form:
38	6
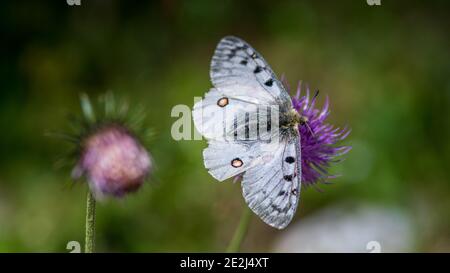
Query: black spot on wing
257	69
269	82
288	177
289	159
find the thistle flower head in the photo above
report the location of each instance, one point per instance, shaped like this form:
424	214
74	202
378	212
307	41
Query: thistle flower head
107	153
319	140
113	160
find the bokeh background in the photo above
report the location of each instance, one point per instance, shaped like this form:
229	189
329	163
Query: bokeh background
385	68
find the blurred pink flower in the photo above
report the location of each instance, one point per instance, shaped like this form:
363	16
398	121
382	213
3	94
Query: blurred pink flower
113	160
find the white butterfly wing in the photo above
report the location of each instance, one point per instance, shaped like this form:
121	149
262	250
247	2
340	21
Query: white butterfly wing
215	116
242	80
228	159
272	190
235	63
272	175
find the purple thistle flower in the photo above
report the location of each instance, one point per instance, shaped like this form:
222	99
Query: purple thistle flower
318	139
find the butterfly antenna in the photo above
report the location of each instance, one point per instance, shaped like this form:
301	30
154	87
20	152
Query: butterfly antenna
306	122
310	129
315	95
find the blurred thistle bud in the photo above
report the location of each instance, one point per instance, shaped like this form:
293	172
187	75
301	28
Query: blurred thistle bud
113	160
108	152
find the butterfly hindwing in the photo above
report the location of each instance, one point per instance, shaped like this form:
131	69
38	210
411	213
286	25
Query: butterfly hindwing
224	160
228	159
273	191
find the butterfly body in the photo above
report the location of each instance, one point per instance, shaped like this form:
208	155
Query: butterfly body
289	122
252	131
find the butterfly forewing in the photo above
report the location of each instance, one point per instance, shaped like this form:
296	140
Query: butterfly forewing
214	116
236	63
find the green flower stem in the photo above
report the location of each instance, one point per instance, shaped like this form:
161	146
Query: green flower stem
240	232
90	224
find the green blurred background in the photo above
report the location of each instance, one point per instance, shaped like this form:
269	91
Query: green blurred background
385	68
